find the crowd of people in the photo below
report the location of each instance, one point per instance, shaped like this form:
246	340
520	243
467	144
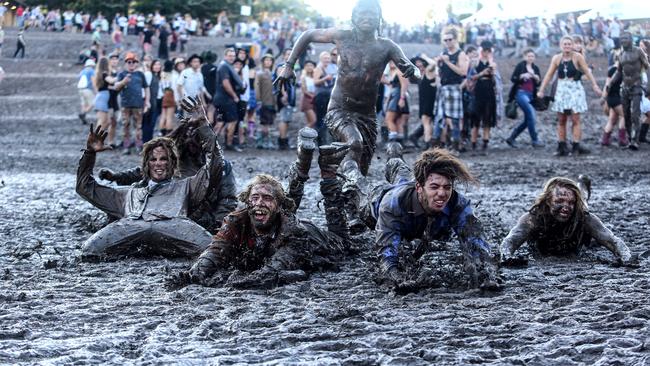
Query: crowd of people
184	177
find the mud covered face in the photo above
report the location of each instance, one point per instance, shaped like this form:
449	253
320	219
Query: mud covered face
263	207
435	193
159	165
563	202
366	18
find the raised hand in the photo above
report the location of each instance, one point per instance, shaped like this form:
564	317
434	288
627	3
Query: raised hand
106	174
96	138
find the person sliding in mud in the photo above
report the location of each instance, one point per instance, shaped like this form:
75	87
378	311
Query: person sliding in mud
559	223
221	198
265	239
426	209
351	116
632	62
153	216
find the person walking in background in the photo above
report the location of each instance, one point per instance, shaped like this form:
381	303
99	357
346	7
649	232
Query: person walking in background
86	89
102	79
398	109
132	86
485	97
20	44
265	101
166	124
324	79
308	89
570	98
613	109
525	80
152	76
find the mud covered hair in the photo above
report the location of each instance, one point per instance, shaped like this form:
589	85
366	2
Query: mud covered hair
147	152
365	4
284	202
441	161
541	209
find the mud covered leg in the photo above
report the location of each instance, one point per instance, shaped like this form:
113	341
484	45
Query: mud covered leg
299	171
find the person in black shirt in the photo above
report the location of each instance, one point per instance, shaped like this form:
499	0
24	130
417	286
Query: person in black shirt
226	97
614	110
209	71
163	36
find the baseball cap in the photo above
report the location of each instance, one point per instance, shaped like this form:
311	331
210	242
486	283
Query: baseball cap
130	56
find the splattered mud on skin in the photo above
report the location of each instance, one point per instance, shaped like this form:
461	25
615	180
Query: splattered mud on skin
54	309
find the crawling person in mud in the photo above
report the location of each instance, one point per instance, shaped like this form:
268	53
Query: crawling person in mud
559	223
153	217
351	113
264	241
424	206
221	197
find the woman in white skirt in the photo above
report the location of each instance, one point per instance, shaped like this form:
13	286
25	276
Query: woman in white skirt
570	98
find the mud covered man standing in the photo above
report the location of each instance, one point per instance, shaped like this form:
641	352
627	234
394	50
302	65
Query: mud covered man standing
153	217
351	115
631	63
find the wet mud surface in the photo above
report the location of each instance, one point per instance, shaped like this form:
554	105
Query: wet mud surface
57	310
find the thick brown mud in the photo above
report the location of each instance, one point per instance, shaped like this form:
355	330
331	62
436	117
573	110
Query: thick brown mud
57	310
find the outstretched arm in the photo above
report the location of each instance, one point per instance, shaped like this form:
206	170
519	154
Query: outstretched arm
516	237
404	65
606	238
329	35
105	198
211	173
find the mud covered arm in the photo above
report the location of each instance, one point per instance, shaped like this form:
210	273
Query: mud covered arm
409	71
219	253
210	174
123	178
470	232
388	236
107	199
329	35
516	237
606	238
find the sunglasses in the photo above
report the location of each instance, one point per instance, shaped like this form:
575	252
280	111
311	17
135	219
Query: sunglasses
131	62
448	39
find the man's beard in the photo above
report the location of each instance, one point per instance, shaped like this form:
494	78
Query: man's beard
262	224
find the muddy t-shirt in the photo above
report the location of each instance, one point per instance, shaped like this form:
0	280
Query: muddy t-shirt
132	95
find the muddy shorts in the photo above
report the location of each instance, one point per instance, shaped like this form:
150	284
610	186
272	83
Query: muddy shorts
286	114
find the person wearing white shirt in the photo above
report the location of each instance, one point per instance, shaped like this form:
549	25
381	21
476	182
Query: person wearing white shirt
190	83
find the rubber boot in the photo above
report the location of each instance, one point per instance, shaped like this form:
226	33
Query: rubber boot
415	136
622	138
333	201
299	171
329	160
577	149
352	191
643	133
283	143
606	139
562	149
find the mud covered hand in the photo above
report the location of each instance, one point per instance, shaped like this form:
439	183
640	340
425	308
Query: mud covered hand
514	261
631	262
180	280
96	138
409	71
106	174
285	78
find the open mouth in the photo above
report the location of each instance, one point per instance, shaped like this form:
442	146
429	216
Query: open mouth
260	215
159	171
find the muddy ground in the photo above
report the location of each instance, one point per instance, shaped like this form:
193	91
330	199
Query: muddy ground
56	310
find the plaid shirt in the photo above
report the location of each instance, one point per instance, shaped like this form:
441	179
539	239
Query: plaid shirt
402	217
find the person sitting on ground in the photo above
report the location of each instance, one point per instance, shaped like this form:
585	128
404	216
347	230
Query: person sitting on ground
426	208
559	223
221	198
153	218
265	239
